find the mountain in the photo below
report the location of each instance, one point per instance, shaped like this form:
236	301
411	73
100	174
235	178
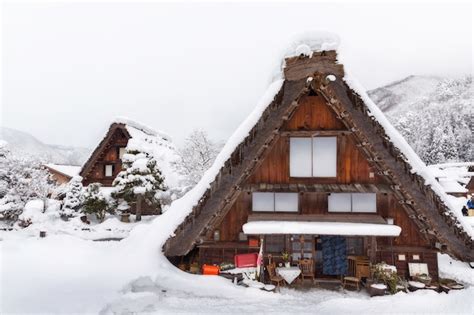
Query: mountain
434	114
22	142
401	95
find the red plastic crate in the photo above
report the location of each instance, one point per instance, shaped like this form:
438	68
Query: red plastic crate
246	260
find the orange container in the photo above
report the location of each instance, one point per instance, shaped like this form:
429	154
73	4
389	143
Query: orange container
253	242
210	270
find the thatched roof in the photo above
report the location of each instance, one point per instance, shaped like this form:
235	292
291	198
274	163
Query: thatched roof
319	72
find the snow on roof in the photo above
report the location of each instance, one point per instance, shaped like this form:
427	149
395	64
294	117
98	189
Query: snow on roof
161	149
139	126
68	170
451	186
309	42
321	228
453	177
159	145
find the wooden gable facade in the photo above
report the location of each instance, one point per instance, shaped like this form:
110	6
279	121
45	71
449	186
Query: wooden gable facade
105	162
316	103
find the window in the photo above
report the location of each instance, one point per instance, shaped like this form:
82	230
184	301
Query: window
364	203
339	203
355	246
358	202
121	152
274	244
313	157
109	170
274	202
286	202
263	202
324	157
300	157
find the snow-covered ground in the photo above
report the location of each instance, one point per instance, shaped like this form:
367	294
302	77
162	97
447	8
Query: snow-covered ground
50	222
66	274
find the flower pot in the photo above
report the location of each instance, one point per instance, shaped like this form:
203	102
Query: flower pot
287	264
125	217
377	289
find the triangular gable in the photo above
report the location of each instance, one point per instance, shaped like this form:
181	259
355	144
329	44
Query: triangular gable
321	74
102	147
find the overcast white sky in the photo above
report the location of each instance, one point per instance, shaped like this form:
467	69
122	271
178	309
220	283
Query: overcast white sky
69	68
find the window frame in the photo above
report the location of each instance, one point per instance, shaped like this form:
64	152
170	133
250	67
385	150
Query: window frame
312	157
118	152
274	202
105	170
352	203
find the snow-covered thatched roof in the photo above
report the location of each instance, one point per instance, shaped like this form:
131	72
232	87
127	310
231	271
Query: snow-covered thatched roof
145	139
296	77
67	170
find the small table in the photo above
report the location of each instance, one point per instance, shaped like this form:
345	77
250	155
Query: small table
288	273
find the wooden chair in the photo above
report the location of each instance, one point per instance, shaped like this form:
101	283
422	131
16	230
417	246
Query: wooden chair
271	268
359	267
307	269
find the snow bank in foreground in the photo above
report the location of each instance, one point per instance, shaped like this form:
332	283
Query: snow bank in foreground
63	274
148	298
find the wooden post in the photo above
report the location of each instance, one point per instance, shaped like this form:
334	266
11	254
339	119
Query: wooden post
138	211
373	249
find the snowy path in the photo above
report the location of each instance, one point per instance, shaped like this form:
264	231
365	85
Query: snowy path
63	274
297	302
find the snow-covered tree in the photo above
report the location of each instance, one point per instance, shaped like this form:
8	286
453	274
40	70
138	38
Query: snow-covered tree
440	127
197	155
139	181
95	202
74	198
22	178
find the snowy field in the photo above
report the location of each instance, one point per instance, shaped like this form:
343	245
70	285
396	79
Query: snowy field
66	274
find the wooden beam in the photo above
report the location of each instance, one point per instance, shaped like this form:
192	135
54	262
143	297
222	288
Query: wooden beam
314	133
318	188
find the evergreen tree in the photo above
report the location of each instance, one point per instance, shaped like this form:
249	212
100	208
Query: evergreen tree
139	181
95	202
74	198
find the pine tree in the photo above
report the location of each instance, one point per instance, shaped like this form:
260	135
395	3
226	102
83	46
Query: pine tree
95	202
139	181
74	198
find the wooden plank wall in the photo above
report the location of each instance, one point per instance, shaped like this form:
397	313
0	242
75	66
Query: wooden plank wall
428	257
352	167
314	114
108	156
317	203
410	235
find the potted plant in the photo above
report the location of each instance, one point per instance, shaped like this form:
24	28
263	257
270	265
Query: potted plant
286	258
385	279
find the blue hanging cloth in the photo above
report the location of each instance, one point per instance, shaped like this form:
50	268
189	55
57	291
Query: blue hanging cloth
334	255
